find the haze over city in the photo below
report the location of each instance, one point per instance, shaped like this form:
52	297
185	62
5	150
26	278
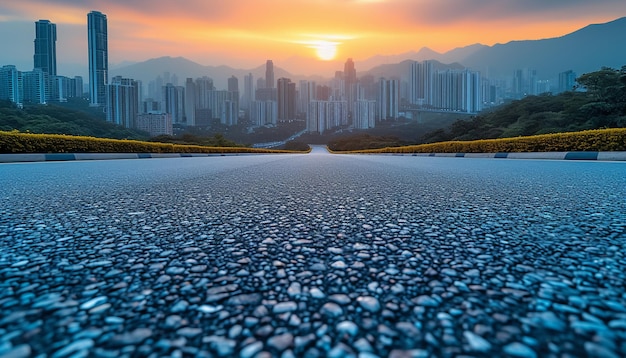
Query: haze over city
243	34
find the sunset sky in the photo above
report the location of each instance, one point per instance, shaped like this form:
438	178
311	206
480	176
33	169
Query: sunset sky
244	33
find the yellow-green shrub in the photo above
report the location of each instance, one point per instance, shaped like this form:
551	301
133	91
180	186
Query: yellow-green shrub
15	142
592	140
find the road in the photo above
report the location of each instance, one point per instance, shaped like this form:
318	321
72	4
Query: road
313	255
279	143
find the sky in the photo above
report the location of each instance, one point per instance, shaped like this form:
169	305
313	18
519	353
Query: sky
244	33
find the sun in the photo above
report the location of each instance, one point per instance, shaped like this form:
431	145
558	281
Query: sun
325	50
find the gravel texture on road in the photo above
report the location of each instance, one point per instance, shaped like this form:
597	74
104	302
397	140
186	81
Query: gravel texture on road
313	255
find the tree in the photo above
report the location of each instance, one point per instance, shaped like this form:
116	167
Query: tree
607	85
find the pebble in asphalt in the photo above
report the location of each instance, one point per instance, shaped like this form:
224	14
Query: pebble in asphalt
313	255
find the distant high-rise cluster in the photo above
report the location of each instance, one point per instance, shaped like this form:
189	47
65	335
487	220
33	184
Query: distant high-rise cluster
41	85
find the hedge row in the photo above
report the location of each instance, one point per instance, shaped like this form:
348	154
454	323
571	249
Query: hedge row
15	142
591	140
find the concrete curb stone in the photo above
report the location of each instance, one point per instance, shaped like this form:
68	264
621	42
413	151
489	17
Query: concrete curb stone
42	157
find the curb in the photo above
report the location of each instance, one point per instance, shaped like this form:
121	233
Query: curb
56	157
59	157
594	156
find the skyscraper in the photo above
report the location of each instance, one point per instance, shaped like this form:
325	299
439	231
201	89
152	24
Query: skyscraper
34	84
567	81
286	99
233	88
190	102
421	83
305	96
10	84
45	56
388	99
349	75
269	74
98	57
457	90
233	84
122	101
174	102
248	91
364	114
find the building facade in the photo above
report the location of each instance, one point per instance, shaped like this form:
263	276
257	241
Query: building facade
45	56
388	99
190	102
269	74
248	91
567	81
98	57
264	113
421	83
155	124
286	92
174	102
325	115
35	86
11	84
122	101
457	90
364	114
350	83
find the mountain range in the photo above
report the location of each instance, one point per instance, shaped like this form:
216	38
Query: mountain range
585	50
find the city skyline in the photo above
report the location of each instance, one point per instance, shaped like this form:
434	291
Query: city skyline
214	33
352	101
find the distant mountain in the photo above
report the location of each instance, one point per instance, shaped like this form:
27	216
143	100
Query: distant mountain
582	51
459	54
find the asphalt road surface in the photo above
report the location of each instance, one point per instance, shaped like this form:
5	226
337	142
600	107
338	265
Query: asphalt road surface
313	255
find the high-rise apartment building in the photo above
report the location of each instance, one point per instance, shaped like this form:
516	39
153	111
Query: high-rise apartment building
212	104
306	94
264	113
204	86
269	74
190	102
324	115
364	114
286	99
122	104
350	83
567	81
248	91
233	84
388	99
155	124
35	86
45	56
174	102
10	84
457	90
338	87
233	88
98	57
421	83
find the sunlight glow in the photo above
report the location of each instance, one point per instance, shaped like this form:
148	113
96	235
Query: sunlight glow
325	45
326	50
